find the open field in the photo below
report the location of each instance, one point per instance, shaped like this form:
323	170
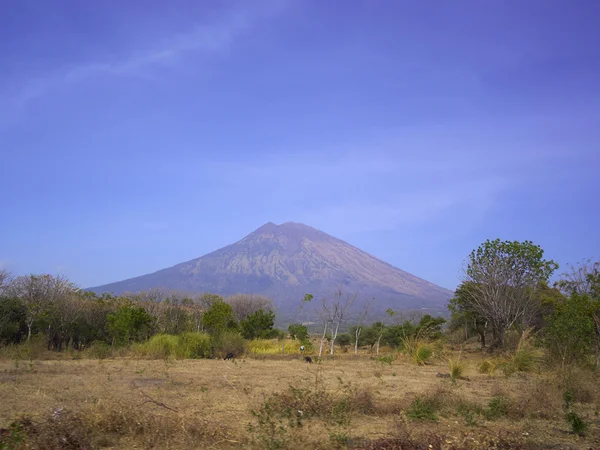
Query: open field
346	402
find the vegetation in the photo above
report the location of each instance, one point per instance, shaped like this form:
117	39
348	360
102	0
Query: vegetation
545	341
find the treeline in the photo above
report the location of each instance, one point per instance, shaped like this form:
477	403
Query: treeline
71	318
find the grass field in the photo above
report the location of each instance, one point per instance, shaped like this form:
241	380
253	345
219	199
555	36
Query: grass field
275	401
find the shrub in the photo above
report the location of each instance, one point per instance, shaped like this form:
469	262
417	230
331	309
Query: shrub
228	341
457	369
422	409
98	350
193	345
578	425
487	366
272	347
498	406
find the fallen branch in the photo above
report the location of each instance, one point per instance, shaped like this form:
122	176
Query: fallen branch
151	400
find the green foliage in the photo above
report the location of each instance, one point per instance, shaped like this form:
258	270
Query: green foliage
14	438
298	331
497	407
422	409
571	334
578	425
193	345
343	340
501	285
129	324
12	321
385	360
258	325
218	318
430	327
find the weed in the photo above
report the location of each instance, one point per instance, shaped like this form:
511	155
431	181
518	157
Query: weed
13	438
487	366
422	409
497	407
339	439
578	425
385	360
457	369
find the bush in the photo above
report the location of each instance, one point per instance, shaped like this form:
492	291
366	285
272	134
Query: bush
487	366
228	342
422	409
184	346
498	406
272	347
578	425
457	369
193	345
98	350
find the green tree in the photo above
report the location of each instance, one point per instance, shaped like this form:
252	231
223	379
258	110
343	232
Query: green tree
258	325
129	323
503	279
571	332
218	318
298	331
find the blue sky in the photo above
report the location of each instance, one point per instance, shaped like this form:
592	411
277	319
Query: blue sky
137	135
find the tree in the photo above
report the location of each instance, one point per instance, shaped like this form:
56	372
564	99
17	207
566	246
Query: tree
571	334
38	293
129	323
243	305
344	340
503	278
218	318
340	306
298	331
360	323
465	317
258	325
583	279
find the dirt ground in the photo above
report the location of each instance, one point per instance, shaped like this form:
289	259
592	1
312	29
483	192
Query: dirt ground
137	403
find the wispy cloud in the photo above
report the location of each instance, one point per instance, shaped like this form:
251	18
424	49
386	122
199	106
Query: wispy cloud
202	39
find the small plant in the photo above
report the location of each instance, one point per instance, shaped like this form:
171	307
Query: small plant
457	369
14	437
339	439
422	409
385	360
487	366
497	407
578	425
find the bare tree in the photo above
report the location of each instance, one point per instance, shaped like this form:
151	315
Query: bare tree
341	304
583	279
326	316
242	305
5	280
362	316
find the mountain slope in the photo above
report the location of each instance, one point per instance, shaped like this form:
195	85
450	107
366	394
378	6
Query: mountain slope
286	261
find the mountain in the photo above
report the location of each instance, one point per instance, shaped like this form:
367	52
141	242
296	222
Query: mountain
286	261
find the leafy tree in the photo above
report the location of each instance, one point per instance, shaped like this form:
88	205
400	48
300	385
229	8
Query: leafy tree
218	318
258	325
129	323
430	327
503	279
462	316
344	340
571	335
298	331
12	320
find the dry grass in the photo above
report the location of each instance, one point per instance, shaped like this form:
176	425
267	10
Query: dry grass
353	402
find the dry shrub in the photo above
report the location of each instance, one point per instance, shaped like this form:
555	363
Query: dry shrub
488	366
112	426
582	386
540	399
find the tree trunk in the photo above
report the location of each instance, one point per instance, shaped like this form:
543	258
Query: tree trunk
29	331
497	338
333	336
482	338
378	340
357	334
322	340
